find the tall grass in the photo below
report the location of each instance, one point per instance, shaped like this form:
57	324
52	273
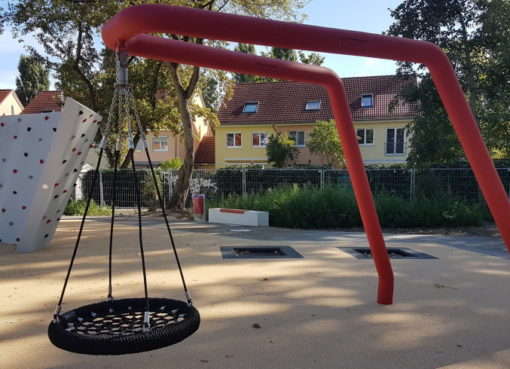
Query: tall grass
335	207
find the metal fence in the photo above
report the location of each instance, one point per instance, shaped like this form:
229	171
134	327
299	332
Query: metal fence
405	183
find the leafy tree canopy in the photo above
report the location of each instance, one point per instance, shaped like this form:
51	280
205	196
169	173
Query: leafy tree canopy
276	53
474	34
325	143
279	149
33	77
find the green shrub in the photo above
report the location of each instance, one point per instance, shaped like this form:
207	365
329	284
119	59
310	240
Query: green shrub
174	163
335	207
78	208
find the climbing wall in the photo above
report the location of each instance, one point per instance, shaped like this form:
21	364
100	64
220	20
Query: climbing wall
40	159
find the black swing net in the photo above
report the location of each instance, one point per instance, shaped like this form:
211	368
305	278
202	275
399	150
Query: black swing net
123	326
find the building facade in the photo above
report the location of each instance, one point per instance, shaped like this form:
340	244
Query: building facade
9	103
165	144
258	110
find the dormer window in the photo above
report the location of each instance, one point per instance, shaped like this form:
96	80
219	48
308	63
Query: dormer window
250	107
367	100
313	105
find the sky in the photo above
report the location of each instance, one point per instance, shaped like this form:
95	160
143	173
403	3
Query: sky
362	15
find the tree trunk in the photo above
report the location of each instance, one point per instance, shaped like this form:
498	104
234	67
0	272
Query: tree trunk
180	194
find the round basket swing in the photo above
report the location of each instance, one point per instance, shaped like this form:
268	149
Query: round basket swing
130	325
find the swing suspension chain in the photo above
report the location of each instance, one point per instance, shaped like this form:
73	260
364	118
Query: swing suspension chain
123	95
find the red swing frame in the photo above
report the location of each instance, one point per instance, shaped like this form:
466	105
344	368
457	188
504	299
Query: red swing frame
127	31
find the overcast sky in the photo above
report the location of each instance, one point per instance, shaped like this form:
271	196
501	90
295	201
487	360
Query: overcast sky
361	15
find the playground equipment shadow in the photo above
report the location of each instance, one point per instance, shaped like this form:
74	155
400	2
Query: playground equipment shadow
318	311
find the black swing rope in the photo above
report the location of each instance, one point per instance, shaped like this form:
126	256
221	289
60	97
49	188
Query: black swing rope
115	327
140	238
78	238
114	198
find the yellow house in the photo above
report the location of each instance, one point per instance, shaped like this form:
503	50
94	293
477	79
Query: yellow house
10	103
165	145
258	110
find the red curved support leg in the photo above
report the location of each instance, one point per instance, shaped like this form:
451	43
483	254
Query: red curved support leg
362	190
155	18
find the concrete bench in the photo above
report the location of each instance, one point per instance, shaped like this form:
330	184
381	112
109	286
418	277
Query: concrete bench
239	216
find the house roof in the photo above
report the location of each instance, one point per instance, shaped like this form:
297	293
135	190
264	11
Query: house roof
205	151
44	101
5	93
284	102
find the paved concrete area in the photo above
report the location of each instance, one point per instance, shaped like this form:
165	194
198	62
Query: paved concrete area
315	312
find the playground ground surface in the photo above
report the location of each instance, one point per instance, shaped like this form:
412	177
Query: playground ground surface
318	311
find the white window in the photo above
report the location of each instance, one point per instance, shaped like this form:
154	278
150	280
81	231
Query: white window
298	137
313	105
234	140
160	143
367	100
250	107
395	141
365	136
259	139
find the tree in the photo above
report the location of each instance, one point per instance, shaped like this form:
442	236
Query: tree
311	58
461	29
172	164
246	78
275	53
325	143
495	34
66	29
433	139
279	149
33	77
284	54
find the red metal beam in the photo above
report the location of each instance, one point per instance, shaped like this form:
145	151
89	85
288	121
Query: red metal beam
126	29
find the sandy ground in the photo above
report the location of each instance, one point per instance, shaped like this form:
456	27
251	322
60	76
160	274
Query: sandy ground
318	311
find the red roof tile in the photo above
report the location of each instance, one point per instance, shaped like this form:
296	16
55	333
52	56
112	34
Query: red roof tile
45	101
205	151
284	102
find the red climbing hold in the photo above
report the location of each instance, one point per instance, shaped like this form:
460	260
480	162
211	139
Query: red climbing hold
41	161
23	207
15	171
46	118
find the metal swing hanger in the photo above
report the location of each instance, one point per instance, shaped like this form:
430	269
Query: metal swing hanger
129	325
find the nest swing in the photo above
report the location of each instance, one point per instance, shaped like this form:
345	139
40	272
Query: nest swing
123	326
